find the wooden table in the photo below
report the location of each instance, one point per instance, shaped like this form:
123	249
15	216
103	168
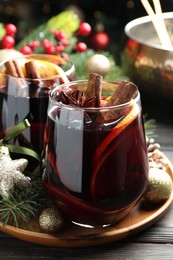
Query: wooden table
156	242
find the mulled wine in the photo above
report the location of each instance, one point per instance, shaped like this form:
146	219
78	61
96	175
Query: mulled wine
14	109
94	169
25	95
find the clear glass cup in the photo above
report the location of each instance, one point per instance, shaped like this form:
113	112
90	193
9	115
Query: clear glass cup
23	96
94	172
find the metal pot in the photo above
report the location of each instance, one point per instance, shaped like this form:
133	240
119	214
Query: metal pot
145	61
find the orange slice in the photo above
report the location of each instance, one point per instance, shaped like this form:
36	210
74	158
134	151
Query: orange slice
119	128
48	69
45	69
100	155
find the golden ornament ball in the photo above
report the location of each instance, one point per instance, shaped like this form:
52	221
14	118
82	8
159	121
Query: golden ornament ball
159	186
98	63
50	220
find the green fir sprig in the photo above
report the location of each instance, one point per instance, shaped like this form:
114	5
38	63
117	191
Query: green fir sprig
150	127
23	204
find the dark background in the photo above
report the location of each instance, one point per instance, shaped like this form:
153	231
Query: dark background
113	14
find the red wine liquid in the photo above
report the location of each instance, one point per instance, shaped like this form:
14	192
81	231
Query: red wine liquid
90	175
14	110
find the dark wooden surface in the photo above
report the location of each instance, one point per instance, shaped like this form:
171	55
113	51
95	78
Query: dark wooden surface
156	242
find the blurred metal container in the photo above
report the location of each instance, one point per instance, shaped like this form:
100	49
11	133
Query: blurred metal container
145	61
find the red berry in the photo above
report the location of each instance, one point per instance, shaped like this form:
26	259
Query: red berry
34	44
50	50
64	42
59	48
7	42
26	50
84	29
48	46
59	35
81	47
46	43
10	29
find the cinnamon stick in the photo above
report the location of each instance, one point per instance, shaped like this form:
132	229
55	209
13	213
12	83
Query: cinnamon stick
13	69
35	79
10	68
123	94
31	70
18	69
94	88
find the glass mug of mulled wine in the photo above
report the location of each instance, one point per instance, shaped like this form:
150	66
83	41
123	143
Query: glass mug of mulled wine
25	83
95	163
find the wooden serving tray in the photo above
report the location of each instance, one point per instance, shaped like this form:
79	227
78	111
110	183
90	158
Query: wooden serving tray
141	217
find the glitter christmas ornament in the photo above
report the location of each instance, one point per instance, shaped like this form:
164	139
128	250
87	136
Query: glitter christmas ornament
159	186
98	63
11	173
50	220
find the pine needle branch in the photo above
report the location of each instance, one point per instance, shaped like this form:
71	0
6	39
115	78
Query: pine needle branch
150	127
23	205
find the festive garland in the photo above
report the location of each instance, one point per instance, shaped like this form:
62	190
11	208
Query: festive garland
62	35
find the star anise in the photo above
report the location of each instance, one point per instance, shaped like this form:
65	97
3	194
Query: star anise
76	98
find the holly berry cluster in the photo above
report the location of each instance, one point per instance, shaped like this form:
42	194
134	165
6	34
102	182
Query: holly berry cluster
57	47
8	41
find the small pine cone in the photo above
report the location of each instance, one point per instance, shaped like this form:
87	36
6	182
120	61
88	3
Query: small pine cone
155	156
152	164
153	147
158	156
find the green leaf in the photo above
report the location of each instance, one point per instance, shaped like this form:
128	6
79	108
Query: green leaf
66	21
12	133
2	30
23	150
16	130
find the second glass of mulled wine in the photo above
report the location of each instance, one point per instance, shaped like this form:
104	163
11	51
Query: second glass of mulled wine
95	163
25	83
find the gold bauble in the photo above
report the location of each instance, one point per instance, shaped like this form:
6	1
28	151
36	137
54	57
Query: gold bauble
98	63
50	220
159	186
